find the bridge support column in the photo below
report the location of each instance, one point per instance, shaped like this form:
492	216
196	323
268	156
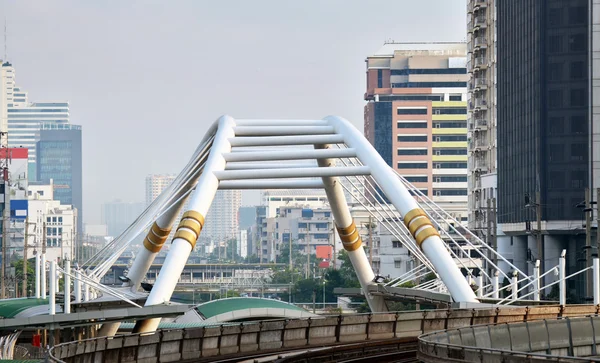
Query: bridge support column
349	235
67	287
191	224
77	286
425	233
562	283
480	284
52	287
515	286
495	294
37	276
596	280
43	275
536	283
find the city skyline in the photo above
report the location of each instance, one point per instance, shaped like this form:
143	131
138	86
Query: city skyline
112	76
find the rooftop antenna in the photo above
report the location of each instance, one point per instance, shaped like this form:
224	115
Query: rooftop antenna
5	51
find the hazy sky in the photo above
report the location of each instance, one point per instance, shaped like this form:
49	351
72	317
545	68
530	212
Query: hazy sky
146	78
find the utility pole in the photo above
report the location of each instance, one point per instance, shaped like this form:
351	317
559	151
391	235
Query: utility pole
25	248
538	212
370	244
308	254
488	240
290	246
588	242
334	246
598	222
495	231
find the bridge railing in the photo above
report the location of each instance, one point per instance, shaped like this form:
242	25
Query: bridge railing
194	343
565	340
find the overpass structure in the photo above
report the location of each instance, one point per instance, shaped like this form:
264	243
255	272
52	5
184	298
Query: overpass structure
298	154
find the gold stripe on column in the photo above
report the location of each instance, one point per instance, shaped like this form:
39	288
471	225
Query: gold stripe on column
419	225
190	226
350	238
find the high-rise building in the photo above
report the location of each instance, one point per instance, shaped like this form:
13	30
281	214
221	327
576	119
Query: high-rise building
481	64
222	218
59	158
547	123
155	184
25	118
118	215
416	117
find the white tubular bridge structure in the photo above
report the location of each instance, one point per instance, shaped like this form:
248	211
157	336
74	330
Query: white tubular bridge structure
291	154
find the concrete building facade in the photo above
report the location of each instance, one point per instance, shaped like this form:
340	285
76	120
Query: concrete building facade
416	117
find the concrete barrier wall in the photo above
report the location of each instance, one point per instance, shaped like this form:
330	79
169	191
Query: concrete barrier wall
544	340
176	345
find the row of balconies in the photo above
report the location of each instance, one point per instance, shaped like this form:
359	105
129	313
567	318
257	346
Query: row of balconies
478	144
478	124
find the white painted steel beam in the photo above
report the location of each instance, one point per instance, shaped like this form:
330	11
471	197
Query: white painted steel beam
433	247
37	276
562	284
67	294
249	122
596	280
282	130
52	299
263	165
43	275
199	204
270	184
289	155
286	140
292	173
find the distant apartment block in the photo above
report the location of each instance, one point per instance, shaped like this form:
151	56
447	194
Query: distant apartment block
416	117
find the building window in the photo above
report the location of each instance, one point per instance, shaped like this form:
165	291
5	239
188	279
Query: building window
406	138
416	179
555	71
577	15
450	125
411	111
449	165
379	78
578	152
578	124
449	111
402	165
455	98
554	44
412	125
578	97
557	125
578	70
412	151
555	16
556	180
577	178
443	138
397	263
446	192
557	152
461	151
396	244
429	84
555	98
421	192
451	179
407	71
577	42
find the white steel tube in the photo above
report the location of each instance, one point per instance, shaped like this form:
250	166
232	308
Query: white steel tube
281	130
200	202
286	140
43	275
343	220
515	287
67	294
495	292
596	280
302	154
52	287
86	292
253	122
271	184
148	252
433	247
562	285
536	278
77	286
37	276
269	165
292	173
480	285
